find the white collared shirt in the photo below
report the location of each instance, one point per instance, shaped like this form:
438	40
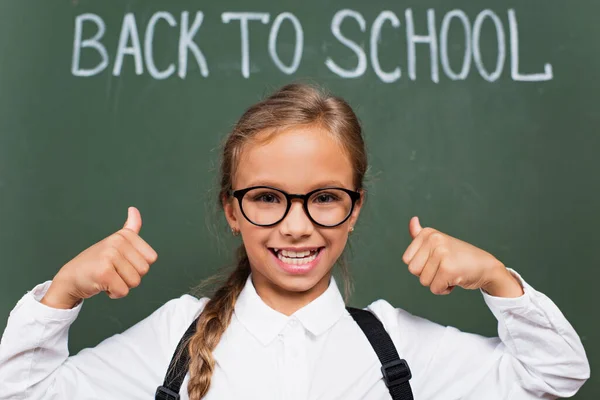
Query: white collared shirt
318	353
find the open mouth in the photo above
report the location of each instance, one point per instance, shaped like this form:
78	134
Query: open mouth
296	257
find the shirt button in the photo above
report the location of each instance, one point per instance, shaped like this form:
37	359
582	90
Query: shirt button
293	323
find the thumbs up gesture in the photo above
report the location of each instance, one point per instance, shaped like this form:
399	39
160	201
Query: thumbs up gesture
443	262
114	265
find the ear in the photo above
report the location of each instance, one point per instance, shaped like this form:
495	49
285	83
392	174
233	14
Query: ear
357	207
230	211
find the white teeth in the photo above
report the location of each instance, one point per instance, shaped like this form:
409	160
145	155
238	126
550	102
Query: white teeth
295	254
297	260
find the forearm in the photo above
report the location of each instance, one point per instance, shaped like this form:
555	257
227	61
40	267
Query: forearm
545	348
34	345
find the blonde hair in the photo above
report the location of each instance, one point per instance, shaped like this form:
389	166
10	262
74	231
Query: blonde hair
292	105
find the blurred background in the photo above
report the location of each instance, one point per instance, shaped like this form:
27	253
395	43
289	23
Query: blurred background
480	117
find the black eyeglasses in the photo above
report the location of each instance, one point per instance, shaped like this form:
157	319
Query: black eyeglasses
267	206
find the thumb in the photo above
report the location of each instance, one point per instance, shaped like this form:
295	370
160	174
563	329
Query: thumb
414	227
134	220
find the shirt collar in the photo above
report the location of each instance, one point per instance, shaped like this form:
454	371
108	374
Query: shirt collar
265	323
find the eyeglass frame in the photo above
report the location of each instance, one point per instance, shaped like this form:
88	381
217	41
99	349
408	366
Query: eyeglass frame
240	193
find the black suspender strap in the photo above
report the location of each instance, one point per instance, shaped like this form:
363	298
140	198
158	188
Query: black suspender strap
395	370
178	368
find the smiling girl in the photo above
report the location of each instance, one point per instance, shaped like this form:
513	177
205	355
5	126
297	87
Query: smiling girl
292	187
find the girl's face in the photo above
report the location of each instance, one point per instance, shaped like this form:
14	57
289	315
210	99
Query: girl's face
297	161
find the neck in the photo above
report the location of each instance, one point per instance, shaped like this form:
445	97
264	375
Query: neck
287	300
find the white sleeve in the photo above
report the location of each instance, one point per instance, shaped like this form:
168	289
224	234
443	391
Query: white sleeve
35	362
537	353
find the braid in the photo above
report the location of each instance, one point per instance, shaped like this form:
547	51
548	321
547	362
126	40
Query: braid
211	325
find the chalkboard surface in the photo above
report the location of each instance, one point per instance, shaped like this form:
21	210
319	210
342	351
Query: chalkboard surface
480	117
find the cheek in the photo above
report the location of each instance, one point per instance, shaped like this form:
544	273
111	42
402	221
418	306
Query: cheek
255	241
335	240
255	238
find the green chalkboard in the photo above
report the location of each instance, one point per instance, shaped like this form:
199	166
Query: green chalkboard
480	117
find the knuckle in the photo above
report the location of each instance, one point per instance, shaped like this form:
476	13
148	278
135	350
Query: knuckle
117	239
436	237
111	254
144	268
104	275
439	251
135	281
428	230
121	292
436	290
412	269
445	268
405	259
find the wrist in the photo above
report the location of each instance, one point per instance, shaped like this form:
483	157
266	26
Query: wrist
502	283
57	297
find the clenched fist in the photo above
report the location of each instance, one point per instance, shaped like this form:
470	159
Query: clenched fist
442	262
114	265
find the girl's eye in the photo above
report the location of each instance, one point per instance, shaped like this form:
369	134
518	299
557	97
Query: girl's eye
325	198
266	198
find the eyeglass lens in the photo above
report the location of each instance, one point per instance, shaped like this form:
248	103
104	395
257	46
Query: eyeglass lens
264	206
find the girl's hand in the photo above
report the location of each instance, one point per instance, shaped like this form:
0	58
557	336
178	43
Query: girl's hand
113	265
443	262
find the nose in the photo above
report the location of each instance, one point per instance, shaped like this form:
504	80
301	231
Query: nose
296	223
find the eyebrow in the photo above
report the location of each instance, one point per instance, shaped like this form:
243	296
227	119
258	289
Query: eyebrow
322	184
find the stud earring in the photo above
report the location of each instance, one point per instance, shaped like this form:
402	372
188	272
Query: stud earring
235	232
351	229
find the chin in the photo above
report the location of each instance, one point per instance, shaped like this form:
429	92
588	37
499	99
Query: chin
298	284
